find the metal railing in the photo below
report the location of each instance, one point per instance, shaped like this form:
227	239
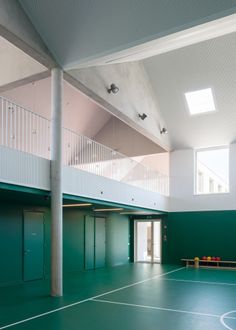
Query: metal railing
26	131
85	154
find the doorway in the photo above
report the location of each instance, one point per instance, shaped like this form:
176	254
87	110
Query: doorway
148	241
33	266
95	236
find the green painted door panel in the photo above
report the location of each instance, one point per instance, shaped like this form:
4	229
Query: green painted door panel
73	240
89	242
33	246
100	239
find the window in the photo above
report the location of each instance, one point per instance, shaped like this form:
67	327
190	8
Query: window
200	101
212	171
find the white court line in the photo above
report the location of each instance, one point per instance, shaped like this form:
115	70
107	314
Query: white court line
88	299
225	316
163	309
201	282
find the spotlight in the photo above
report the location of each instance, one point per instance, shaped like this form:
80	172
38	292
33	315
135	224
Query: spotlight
163	131
143	116
113	89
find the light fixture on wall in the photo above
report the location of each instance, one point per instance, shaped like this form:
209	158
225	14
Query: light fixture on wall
77	205
108	210
113	89
142	116
163	130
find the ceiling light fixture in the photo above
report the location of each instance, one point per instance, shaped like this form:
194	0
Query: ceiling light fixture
142	116
113	89
77	205
200	101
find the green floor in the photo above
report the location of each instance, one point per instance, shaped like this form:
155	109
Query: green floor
132	297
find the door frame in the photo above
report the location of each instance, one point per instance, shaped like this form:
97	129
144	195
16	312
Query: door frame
152	238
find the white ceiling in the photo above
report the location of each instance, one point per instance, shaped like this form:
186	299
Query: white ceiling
79	32
210	63
207	64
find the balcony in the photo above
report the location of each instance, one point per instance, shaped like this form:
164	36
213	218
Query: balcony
27	132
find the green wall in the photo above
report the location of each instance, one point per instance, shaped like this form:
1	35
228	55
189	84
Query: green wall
10	244
117	239
191	234
11	239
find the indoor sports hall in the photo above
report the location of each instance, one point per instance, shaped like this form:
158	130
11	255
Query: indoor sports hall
117	164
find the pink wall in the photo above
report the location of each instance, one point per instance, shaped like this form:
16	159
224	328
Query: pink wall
81	114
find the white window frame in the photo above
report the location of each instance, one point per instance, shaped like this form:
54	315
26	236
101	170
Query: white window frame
196	169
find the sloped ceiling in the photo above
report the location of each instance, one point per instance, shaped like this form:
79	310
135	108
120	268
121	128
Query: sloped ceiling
78	31
208	64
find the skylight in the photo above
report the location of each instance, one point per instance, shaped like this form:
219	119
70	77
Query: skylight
200	101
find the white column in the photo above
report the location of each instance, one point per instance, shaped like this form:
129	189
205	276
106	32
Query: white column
56	184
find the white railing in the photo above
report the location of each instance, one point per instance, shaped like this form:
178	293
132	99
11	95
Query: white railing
26	131
88	155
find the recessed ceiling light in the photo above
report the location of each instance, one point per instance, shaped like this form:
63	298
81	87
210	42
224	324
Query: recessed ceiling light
107	210
200	101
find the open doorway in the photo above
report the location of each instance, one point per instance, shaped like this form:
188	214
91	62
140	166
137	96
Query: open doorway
148	241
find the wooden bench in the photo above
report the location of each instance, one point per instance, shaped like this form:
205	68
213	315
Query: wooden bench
210	263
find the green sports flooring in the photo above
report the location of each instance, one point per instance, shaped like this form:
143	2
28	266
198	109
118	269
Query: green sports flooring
131	297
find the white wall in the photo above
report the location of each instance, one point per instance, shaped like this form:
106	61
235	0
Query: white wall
21	168
84	184
182	196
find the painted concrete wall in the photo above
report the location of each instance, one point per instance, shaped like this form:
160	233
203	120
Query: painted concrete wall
79	111
16	65
33	171
191	234
11	239
122	138
16	27
97	28
182	196
80	183
20	168
158	162
135	96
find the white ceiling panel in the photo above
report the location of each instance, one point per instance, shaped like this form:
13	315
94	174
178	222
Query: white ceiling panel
210	64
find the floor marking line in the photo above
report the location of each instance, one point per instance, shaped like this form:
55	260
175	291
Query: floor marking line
225	316
161	308
202	282
88	299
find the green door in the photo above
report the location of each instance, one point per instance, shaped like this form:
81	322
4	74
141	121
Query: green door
89	242
100	242
33	246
